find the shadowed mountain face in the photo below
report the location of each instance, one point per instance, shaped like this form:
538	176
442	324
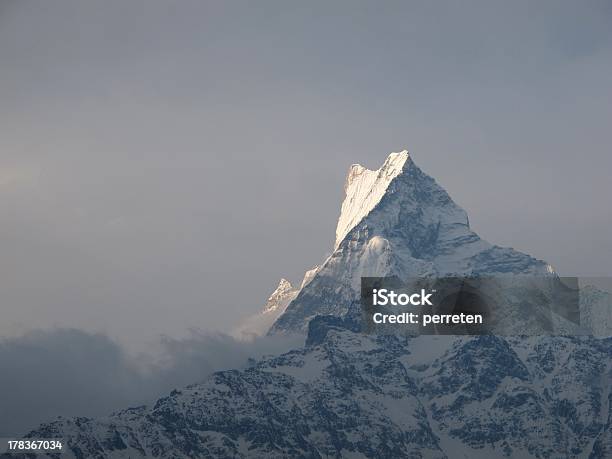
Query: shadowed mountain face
346	394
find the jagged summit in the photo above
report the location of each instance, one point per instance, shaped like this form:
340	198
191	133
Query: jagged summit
276	299
364	188
259	324
397	221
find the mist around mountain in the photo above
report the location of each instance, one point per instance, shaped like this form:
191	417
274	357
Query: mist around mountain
70	372
347	394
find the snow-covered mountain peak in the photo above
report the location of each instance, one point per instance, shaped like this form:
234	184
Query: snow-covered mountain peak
364	188
257	324
397	221
283	290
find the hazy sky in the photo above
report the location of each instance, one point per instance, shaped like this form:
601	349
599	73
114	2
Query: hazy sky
163	164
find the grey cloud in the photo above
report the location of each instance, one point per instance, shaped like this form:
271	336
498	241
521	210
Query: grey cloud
68	372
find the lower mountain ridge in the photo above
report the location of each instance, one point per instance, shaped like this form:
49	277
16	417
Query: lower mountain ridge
346	394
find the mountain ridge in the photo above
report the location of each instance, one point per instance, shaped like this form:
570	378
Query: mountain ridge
346	394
